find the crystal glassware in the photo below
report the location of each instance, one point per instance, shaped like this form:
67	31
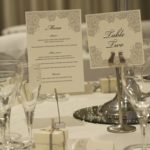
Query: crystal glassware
30	88
8	89
137	88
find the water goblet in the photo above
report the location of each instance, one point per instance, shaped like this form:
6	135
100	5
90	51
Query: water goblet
30	89
137	90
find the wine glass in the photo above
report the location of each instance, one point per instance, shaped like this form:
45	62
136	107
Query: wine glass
30	89
8	87
137	89
2	128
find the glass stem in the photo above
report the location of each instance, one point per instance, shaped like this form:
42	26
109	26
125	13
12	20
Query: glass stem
8	123
29	117
30	131
3	126
143	125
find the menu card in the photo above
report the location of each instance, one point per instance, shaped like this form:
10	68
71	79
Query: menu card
115	38
55	42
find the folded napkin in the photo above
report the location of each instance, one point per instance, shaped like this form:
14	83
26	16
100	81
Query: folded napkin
91	144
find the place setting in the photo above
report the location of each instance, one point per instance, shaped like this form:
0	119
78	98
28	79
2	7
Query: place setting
43	101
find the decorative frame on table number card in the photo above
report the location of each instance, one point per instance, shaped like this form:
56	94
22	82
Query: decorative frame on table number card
115	37
115	40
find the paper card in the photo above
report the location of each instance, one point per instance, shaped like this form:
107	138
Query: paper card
115	38
55	42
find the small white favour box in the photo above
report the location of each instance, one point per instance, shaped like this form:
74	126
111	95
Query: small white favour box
53	139
108	84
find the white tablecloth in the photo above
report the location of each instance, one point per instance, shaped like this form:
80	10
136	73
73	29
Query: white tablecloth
79	130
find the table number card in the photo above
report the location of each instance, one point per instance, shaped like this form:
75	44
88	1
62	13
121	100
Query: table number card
115	38
55	42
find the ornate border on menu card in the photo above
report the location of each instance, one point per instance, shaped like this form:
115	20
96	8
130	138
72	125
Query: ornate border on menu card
33	19
134	24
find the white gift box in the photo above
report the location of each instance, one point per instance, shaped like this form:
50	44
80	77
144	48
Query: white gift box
108	84
53	139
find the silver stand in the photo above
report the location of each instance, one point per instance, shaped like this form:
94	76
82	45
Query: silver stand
118	108
122	127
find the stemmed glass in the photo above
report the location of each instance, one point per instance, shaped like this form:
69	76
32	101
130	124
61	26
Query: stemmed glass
8	88
137	89
30	89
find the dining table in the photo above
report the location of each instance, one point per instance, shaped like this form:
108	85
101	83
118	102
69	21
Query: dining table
46	110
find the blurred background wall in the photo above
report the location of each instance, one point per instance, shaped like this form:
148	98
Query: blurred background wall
12	12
